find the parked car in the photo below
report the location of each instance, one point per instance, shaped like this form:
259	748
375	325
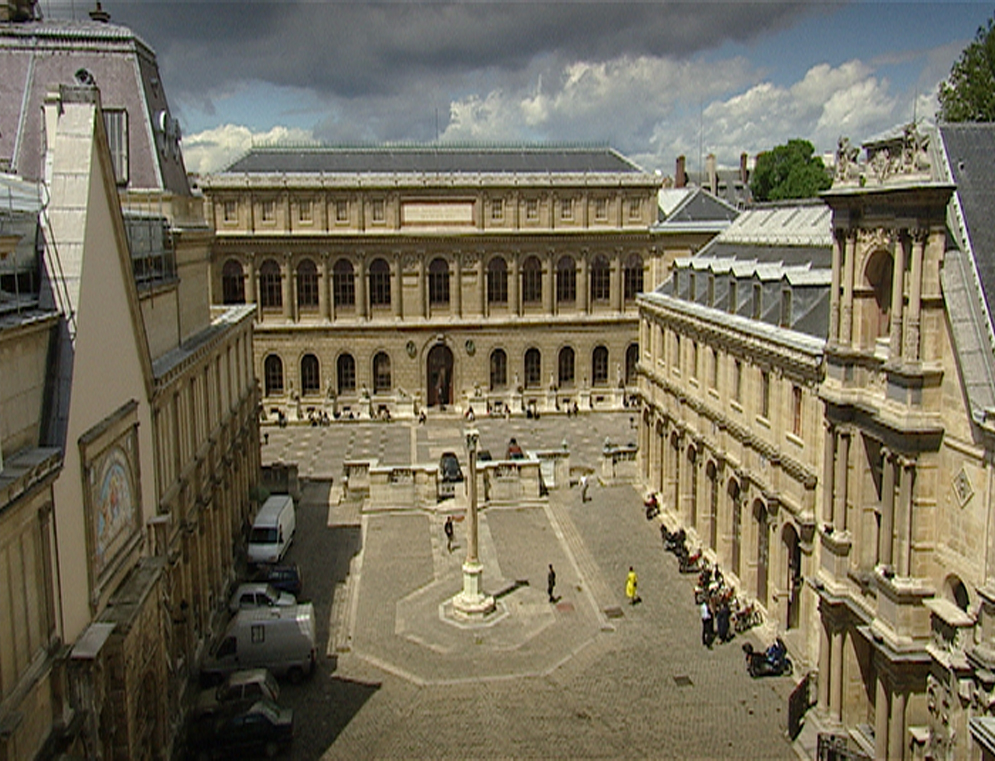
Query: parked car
240	689
273	530
286	577
262	726
258	594
450	474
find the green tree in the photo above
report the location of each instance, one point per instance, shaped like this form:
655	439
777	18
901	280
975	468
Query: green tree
968	94
789	171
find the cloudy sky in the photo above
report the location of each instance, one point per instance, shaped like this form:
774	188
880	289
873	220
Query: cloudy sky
653	79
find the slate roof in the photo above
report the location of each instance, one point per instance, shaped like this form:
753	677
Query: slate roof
434	159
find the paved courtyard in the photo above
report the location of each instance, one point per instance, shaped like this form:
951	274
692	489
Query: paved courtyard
588	676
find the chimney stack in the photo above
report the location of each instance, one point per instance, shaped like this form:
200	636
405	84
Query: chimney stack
713	178
680	176
744	173
99	14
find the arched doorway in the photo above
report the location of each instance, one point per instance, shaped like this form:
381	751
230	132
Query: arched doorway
793	554
440	376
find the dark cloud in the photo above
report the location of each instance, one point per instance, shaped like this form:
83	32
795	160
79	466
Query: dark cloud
359	49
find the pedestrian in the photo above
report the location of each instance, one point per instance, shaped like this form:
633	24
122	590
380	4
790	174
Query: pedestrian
722	620
706	624
631	583
585	482
448	528
551	583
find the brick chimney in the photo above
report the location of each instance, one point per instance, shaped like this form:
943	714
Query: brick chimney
680	176
744	173
713	177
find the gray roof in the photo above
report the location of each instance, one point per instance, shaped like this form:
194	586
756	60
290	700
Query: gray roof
435	159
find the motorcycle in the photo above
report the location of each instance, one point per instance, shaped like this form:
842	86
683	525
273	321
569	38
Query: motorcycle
774	661
652	507
745	617
690	563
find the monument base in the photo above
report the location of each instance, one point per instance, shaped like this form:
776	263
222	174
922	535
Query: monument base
472	603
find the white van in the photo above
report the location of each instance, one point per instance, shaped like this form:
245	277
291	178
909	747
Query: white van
280	639
273	530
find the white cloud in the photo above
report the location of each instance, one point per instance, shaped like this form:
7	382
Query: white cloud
214	149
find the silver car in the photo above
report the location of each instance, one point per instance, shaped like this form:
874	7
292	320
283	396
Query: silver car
256	594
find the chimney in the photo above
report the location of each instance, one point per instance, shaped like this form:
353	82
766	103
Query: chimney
99	14
713	179
744	173
680	176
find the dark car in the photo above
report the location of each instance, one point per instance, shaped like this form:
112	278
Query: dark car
286	577
264	726
239	690
450	474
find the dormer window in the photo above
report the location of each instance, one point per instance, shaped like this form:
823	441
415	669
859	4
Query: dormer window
116	126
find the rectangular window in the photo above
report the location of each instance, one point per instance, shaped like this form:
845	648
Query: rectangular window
116	126
269	211
497	209
341	211
635	208
601	208
737	381
757	305
694	359
715	369
786	308
532	208
677	353
733	296
378	210
231	211
796	407
765	394
304	210
567	208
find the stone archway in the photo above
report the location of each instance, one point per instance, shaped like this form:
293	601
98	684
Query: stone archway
793	582
440	376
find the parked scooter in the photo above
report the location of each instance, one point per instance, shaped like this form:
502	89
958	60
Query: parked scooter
745	617
690	563
652	506
774	661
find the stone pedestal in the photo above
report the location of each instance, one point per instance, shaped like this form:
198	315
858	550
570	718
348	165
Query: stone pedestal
472	602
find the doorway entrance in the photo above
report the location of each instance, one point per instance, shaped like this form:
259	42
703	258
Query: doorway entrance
440	376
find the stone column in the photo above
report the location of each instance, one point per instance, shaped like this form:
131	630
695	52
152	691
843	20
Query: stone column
252	297
548	283
905	515
897	298
361	281
422	296
482	286
828	473
846	318
514	287
840	487
472	602
896	726
295	312
615	283
836	676
397	291
286	291
834	293
823	694
886	537
457	286
324	301
881	719
583	285
911	352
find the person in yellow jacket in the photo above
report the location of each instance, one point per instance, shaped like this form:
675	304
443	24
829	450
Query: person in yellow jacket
631	581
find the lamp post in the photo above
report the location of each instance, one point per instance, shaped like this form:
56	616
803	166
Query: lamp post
472	602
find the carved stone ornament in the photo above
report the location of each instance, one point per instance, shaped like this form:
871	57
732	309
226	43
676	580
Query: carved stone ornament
877	238
963	487
411	349
409	262
469	260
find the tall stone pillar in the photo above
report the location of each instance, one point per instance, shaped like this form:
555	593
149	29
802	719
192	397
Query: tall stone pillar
324	302
897	298
822	701
422	296
514	287
615	283
252	296
881	712
286	290
846	318
457	285
483	308
907	470
362	303
836	676
886	537
397	295
295	312
828	473
548	282
840	488
834	293
912	349
584	285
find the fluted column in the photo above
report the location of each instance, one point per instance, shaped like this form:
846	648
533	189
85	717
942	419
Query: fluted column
295	311
885	538
457	285
583	285
397	291
324	302
422	296
286	292
846	318
834	293
362	278
897	298
482	285
840	496
548	283
615	284
912	349
514	287
828	474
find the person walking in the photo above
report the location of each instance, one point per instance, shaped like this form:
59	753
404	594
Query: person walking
551	583
585	482
631	583
706	624
448	528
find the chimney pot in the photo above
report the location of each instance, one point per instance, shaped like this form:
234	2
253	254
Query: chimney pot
680	176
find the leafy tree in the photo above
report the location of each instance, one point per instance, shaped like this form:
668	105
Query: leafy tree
968	94
789	171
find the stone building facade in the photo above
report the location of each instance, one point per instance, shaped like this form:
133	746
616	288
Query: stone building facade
389	280
128	408
731	361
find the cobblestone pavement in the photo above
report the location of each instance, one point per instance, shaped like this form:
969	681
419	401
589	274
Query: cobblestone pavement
579	682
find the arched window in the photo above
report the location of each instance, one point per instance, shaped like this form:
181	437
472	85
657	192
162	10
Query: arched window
497	281
270	285
232	283
631	360
438	282
957	593
566	280
346	371
633	277
532	280
601	279
273	375
499	369
307	285
878	274
533	368
381	373
343	284
310	375
379	283
565	365
599	366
